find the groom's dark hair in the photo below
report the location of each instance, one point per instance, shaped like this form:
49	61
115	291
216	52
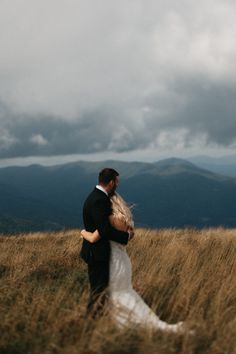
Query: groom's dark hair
107	175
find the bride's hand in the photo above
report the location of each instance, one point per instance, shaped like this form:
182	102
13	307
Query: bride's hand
81	233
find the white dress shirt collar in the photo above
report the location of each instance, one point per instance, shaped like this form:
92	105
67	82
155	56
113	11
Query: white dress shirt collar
101	189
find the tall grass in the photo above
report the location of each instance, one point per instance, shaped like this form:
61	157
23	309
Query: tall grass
183	274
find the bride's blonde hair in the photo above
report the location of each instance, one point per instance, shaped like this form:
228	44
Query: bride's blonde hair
121	210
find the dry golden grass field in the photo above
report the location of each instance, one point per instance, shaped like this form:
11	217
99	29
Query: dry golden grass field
183	274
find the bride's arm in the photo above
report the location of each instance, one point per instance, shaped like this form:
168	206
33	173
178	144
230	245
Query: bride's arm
90	236
93	237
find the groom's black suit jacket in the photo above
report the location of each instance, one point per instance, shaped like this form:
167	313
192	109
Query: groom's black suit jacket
96	211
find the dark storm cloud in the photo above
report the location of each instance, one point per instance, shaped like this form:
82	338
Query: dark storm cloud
47	136
205	109
208	112
212	110
85	76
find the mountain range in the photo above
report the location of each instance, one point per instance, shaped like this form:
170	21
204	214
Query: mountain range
168	193
225	165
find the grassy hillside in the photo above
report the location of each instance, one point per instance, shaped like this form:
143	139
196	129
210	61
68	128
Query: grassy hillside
183	274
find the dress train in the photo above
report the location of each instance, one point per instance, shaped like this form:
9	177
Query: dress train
126	305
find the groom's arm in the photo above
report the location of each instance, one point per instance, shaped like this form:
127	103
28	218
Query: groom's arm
100	214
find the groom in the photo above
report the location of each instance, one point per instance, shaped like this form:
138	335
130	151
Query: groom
96	211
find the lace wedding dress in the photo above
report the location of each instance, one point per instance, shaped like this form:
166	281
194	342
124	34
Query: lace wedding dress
126	306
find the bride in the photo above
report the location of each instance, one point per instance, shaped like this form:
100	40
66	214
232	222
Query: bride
126	306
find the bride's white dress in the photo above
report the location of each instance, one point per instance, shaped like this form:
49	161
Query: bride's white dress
126	305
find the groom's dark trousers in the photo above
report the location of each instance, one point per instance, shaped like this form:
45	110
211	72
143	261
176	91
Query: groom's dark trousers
96	211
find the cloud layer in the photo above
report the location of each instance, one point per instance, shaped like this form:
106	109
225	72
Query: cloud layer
86	76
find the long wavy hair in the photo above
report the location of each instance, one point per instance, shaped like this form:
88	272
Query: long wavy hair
121	210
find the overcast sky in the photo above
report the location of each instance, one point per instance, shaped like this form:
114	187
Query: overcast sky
129	79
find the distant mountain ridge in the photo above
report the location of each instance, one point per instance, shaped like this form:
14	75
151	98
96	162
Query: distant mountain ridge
168	193
224	165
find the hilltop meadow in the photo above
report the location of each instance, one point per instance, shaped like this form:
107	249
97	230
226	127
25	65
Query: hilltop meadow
182	274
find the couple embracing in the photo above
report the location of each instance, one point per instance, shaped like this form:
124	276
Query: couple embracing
108	229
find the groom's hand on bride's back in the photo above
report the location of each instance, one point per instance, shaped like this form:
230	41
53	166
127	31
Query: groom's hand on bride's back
130	232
